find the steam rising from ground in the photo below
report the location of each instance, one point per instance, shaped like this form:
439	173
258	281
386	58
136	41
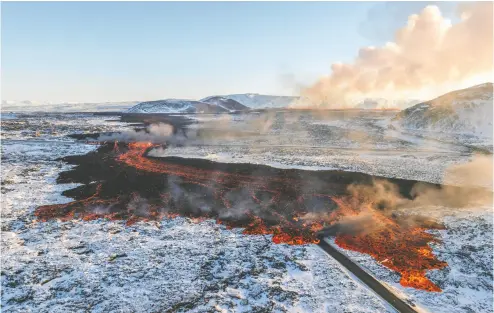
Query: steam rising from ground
384	197
467	195
477	172
428	52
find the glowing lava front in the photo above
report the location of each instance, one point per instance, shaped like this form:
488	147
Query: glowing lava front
404	250
278	206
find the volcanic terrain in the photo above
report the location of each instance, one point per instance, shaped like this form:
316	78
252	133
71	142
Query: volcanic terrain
127	177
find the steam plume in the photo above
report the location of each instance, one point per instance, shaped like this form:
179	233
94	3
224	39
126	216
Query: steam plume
154	133
468	176
428	51
383	196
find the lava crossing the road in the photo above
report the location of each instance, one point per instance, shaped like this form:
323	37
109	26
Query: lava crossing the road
291	205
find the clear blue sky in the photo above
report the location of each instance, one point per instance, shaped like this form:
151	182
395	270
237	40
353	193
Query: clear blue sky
116	51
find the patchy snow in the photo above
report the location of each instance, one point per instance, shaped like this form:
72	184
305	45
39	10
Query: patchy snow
186	106
227	104
55	126
167	266
257	101
180	266
466	112
364	143
356	141
164	106
38	106
466	246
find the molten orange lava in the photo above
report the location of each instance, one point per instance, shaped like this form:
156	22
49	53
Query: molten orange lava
401	248
404	249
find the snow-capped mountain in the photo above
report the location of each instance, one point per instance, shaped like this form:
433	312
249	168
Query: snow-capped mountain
226	103
214	105
38	106
257	101
466	111
211	104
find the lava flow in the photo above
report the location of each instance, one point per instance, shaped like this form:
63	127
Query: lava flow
291	205
403	248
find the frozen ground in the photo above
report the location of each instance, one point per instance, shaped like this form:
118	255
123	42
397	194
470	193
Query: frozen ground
178	265
175	265
463	113
55	126
352	141
467	281
36	106
366	143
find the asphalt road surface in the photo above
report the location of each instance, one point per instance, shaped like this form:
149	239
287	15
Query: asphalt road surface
367	279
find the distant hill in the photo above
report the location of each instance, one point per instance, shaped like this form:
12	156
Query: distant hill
257	101
212	105
467	111
225	103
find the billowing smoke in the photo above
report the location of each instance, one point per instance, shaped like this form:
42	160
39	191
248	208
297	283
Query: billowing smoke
384	197
154	133
477	172
250	133
461	187
181	197
473	175
217	130
359	224
428	52
139	206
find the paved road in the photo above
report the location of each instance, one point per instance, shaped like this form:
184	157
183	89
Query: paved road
367	279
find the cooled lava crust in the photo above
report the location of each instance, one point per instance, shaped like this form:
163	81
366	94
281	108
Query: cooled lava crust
120	182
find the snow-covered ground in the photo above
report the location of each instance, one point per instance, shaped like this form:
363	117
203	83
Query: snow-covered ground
181	266
352	141
38	106
467	281
213	104
363	142
171	266
464	113
183	106
55	126
257	101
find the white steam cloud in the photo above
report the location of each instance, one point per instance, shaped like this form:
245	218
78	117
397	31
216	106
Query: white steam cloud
154	133
428	52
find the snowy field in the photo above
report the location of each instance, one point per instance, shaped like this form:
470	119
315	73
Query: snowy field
182	266
467	281
171	266
356	141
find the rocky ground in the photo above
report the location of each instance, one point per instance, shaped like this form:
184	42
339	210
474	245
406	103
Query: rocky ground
169	266
356	141
467	281
182	266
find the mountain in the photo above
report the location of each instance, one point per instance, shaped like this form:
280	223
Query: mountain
225	103
257	101
466	111
212	104
209	105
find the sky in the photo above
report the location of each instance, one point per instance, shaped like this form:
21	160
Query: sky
138	51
